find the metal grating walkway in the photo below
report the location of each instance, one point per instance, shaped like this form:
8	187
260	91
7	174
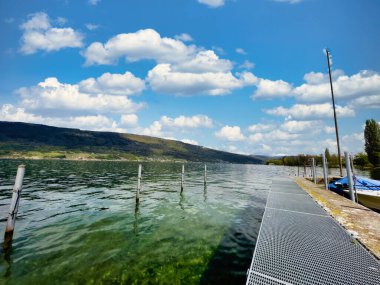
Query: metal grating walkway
299	243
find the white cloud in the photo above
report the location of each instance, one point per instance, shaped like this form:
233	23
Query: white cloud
270	89
230	133
204	61
53	95
240	51
247	65
11	113
257	137
184	37
165	126
261	127
300	111
301	126
92	122
113	84
38	34
61	21
329	129
93	2
164	79
363	84
143	44
155	130
91	27
212	3
361	90
189	141
289	1
370	102
197	121
128	120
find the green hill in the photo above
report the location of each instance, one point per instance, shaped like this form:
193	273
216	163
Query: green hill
22	140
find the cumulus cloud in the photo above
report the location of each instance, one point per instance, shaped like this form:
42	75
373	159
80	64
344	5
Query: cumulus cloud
230	133
363	84
261	127
370	102
113	84
247	65
270	89
93	2
300	111
301	126
128	120
143	44
166	125
38	34
197	121
9	112
164	79
184	37
356	89
155	130
91	27
212	3
204	61
240	51
181	69
288	1
54	95
189	141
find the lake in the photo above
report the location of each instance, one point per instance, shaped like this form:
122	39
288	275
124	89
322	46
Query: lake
78	222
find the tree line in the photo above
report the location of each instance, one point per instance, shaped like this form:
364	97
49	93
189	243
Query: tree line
369	160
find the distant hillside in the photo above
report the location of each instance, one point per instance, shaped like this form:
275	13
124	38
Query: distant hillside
22	140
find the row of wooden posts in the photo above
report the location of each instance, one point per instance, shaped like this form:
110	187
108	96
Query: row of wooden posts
17	188
349	170
16	194
182	180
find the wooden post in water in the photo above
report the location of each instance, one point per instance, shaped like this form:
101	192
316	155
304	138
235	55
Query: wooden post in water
138	184
325	174
182	177
349	177
205	176
17	188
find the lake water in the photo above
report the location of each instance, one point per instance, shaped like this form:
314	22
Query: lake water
78	222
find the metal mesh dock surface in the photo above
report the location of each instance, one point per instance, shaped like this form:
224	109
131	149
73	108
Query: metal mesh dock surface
299	243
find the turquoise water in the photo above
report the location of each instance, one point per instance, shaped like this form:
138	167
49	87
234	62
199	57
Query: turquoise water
78	222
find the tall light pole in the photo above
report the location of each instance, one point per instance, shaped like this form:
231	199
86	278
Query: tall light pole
335	120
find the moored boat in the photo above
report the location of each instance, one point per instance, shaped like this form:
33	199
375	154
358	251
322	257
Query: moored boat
367	190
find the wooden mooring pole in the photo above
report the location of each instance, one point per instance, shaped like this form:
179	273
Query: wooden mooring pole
182	177
205	176
138	184
17	188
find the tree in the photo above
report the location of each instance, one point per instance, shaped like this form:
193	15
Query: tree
372	141
361	160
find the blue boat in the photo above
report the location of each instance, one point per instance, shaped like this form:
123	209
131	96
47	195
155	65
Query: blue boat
367	190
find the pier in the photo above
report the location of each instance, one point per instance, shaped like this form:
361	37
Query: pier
300	243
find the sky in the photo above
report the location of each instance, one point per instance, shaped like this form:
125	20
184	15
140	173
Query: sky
245	76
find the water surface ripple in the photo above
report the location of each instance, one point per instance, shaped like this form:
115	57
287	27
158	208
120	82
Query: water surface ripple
78	222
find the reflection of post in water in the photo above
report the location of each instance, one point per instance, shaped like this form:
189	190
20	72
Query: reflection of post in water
181	200
136	221
205	192
7	251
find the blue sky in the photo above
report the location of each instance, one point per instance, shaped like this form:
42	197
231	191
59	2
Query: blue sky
243	76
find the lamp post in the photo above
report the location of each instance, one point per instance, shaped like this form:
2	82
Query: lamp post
335	120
